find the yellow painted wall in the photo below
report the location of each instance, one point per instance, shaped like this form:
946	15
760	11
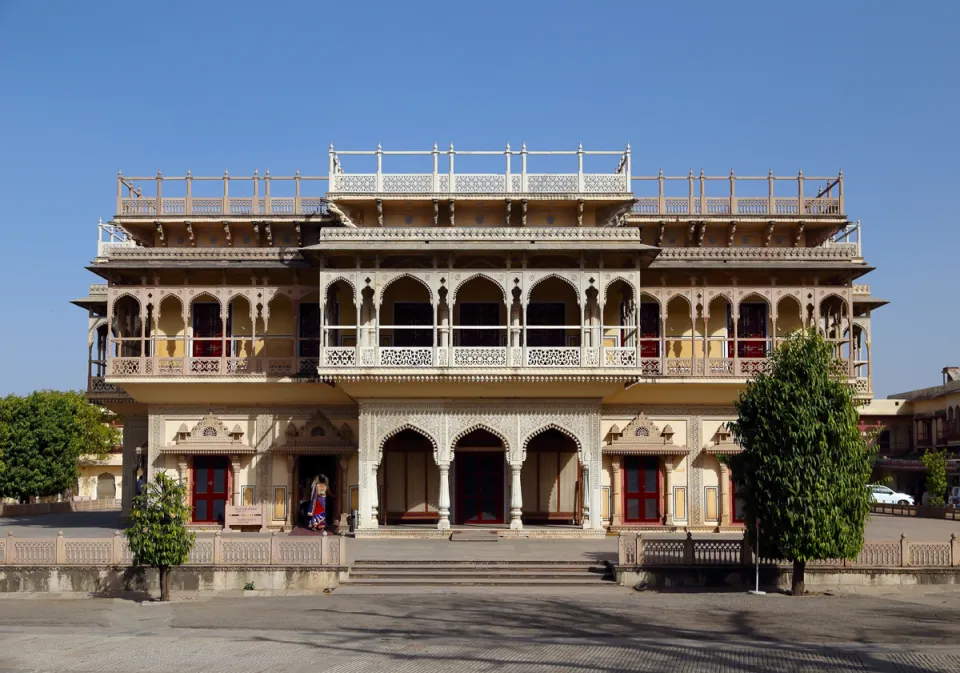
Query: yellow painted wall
281	329
788	318
677	330
717	328
170	329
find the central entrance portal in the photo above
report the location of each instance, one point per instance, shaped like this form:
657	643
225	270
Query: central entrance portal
479	487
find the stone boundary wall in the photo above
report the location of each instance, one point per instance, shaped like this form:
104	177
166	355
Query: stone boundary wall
273	550
715	577
923	511
143	582
40	508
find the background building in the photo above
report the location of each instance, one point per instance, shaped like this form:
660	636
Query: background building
555	346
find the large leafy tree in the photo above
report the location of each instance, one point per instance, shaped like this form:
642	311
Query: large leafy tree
43	435
805	464
158	535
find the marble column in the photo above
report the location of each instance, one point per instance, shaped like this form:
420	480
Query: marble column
374	495
615	517
516	497
444	523
724	505
292	500
183	474
668	493
235	480
587	493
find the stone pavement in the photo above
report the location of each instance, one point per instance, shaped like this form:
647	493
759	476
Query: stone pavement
880	528
530	630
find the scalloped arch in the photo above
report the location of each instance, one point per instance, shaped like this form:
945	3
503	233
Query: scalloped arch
382	290
623	279
478	426
407	426
576	290
456	288
559	428
334	281
824	298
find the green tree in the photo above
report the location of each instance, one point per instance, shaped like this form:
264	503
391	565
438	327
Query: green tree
936	484
158	535
805	464
43	435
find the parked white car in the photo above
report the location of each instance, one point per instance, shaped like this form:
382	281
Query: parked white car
887	496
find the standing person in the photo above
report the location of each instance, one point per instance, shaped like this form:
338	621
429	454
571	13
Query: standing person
317	510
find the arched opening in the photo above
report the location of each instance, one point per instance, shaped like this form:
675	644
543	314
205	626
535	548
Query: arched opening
479	475
409	480
240	328
753	328
834	317
479	324
679	337
207	337
551	479
619	326
98	351
171	329
861	354
552	325
340	316
405	315
279	328
789	318
719	338
127	328
106	486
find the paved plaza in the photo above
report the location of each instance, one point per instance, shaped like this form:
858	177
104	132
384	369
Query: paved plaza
880	527
527	630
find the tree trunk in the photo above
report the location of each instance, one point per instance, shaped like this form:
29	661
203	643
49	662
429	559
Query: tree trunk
164	583
798	570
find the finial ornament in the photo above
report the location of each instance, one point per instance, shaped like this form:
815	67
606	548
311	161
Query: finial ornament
523	147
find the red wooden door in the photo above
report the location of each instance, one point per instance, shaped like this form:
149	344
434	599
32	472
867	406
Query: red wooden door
480	487
649	330
641	490
211	489
207	330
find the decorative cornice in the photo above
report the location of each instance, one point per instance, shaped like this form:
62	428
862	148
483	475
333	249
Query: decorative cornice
836	252
480	233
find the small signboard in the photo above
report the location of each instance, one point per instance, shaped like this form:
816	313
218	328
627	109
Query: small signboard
244	515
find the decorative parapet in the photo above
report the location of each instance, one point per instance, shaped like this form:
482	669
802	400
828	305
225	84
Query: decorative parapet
280	254
481	234
861	289
636	550
833	252
326	550
449	184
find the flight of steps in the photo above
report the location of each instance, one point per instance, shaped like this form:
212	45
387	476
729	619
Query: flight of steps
478	573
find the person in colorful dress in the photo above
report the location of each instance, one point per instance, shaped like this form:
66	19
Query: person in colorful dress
317	511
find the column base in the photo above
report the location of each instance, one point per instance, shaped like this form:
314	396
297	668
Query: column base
443	523
516	524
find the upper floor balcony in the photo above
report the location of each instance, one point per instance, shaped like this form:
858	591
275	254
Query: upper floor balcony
457	324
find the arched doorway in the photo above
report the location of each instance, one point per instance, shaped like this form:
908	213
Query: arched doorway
479	468
106	486
550	479
409	480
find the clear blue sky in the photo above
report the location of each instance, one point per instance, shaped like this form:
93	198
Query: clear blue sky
89	88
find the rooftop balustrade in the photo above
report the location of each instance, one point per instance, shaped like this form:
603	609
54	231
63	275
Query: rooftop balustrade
824	199
511	181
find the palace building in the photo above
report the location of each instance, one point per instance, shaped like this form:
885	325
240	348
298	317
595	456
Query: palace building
550	353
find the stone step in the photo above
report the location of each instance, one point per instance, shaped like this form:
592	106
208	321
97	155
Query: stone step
500	581
401	574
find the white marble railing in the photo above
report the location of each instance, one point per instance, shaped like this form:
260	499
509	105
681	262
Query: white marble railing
625	360
479	183
327	550
723	205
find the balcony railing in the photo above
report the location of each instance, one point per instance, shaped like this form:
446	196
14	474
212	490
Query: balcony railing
449	182
825	198
615	360
131	201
